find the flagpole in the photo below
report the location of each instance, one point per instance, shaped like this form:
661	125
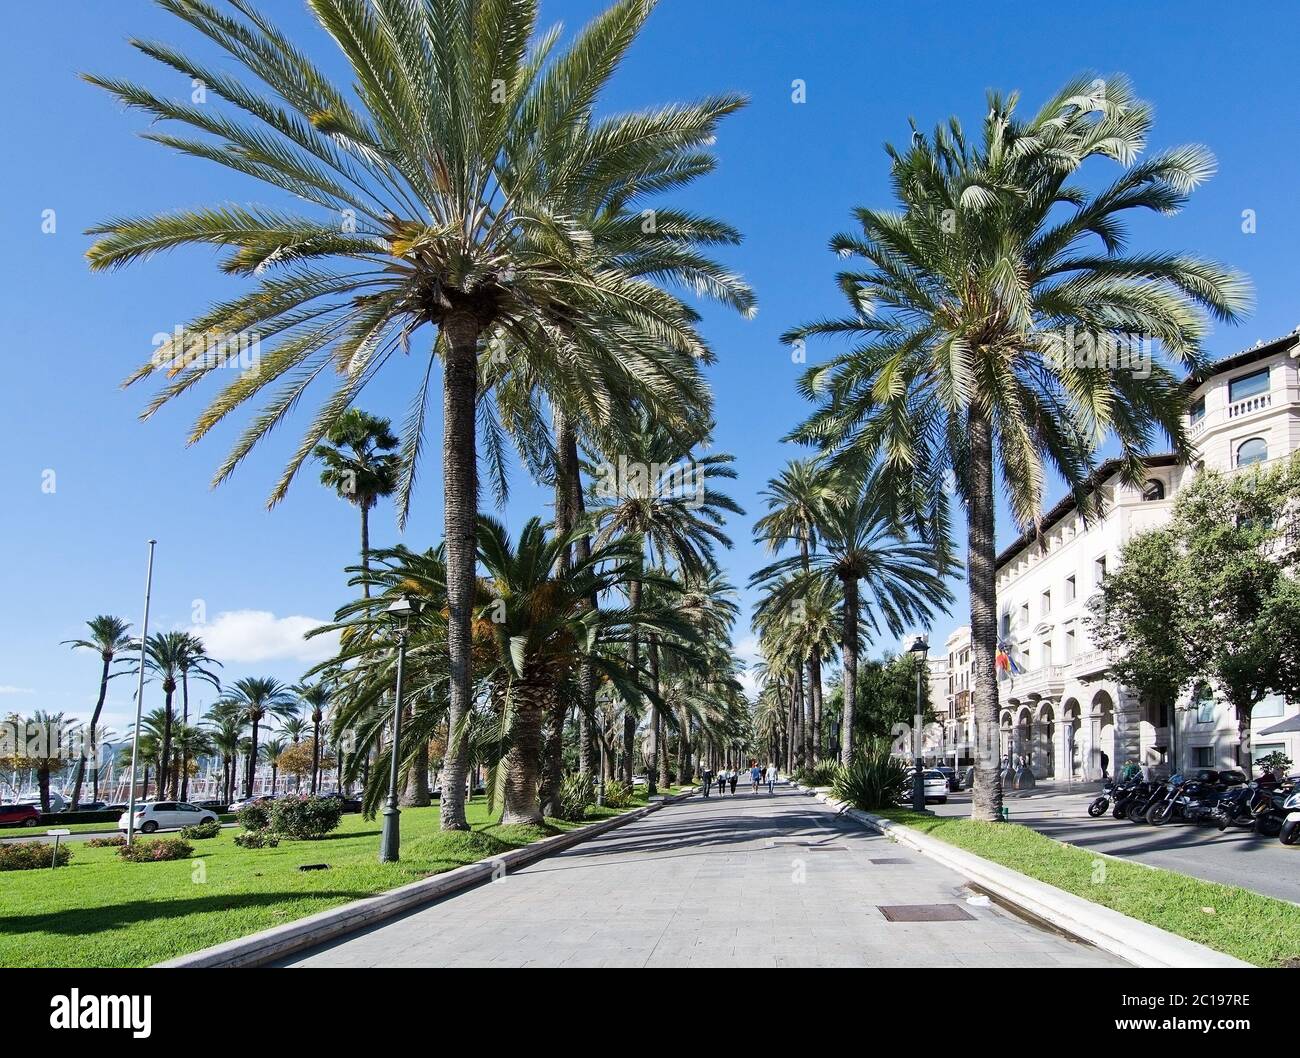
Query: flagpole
139	696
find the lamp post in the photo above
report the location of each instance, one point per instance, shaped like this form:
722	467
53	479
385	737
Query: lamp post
919	649
403	609
139	696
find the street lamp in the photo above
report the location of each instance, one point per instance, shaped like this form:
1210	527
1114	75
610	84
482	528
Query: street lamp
919	648
402	610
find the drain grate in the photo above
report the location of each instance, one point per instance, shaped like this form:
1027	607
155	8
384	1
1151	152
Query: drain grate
889	859
924	913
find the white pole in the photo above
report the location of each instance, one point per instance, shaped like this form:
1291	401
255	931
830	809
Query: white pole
139	696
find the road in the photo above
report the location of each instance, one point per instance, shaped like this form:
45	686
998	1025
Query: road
1235	857
749	879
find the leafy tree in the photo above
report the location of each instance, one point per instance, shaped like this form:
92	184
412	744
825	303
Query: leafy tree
965	303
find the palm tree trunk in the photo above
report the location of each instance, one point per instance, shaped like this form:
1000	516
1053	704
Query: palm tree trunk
365	546
815	692
252	762
94	723
164	758
460	521
658	752
568	480
417	793
315	758
849	648
684	750
981	560
634	659
185	719
520	802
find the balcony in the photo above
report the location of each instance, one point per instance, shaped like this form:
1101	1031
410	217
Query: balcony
1251	404
1089	663
1045	682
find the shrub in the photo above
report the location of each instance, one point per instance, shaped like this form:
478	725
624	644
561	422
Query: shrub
201	831
619	794
823	773
256	815
874	780
30	855
256	839
305	817
156	850
116	841
577	794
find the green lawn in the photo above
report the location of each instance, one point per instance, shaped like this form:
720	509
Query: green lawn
1256	928
102	911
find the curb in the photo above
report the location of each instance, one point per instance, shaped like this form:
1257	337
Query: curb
1128	938
258	949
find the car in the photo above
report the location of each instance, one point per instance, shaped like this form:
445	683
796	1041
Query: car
244	802
350	804
165	815
936	786
954	780
19	815
92	806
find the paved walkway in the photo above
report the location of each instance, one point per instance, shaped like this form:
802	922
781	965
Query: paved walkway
1234	857
718	882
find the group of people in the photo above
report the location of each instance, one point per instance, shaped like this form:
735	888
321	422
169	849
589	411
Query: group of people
726	778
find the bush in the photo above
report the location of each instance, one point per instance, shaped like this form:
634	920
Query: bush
256	815
874	780
823	773
201	831
577	794
305	817
156	850
256	839
31	855
116	841
619	794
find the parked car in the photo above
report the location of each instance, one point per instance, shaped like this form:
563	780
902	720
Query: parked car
93	806
19	815
935	782
244	802
350	804
163	815
954	780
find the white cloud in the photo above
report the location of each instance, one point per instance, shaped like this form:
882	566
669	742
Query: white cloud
747	651
7	689
250	636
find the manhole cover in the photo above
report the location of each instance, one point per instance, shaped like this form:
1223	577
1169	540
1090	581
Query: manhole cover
888	859
924	912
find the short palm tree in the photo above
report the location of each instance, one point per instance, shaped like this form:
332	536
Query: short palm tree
969	306
193	661
443	196
316	698
360	466
225	726
255	699
269	754
864	548
109	638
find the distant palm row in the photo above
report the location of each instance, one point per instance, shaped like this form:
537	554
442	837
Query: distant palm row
473	209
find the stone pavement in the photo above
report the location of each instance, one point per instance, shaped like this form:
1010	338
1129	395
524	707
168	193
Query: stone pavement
749	880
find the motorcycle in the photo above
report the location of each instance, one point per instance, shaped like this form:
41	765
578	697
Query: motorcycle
1133	796
1102	802
1191	799
1257	806
1290	832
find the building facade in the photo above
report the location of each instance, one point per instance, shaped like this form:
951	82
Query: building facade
1059	708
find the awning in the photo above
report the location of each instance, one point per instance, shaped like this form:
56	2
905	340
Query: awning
1286	727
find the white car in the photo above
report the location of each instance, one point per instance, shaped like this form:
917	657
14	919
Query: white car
165	815
936	786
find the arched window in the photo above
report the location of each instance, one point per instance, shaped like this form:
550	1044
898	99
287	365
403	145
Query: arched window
1253	451
1154	489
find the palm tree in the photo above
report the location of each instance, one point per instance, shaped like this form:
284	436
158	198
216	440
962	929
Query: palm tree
108	638
193	660
864	546
360	466
269	753
226	730
972	301
316	697
189	742
164	653
661	494
257	698
449	178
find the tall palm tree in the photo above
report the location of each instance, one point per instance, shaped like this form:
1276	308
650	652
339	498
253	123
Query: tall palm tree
968	307
189	742
108	638
164	653
449	176
360	466
316	698
269	753
660	493
258	698
904	579
193	660
225	722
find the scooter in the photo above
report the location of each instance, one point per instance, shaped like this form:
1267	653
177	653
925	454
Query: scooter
1290	832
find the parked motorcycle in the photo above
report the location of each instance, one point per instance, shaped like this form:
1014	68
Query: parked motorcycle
1192	799
1102	802
1134	793
1290	832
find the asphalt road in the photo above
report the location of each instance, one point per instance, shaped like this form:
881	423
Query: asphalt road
1235	857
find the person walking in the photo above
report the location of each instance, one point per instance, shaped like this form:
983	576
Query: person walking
722	781
771	778
706	779
755	775
732	776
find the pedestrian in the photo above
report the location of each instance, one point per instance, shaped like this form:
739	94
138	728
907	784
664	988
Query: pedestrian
706	779
771	778
755	775
1105	766
722	781
731	778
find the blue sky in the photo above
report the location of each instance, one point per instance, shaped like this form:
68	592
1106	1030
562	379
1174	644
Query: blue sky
789	174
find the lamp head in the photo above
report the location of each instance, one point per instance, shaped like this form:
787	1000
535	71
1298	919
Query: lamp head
919	646
405	606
